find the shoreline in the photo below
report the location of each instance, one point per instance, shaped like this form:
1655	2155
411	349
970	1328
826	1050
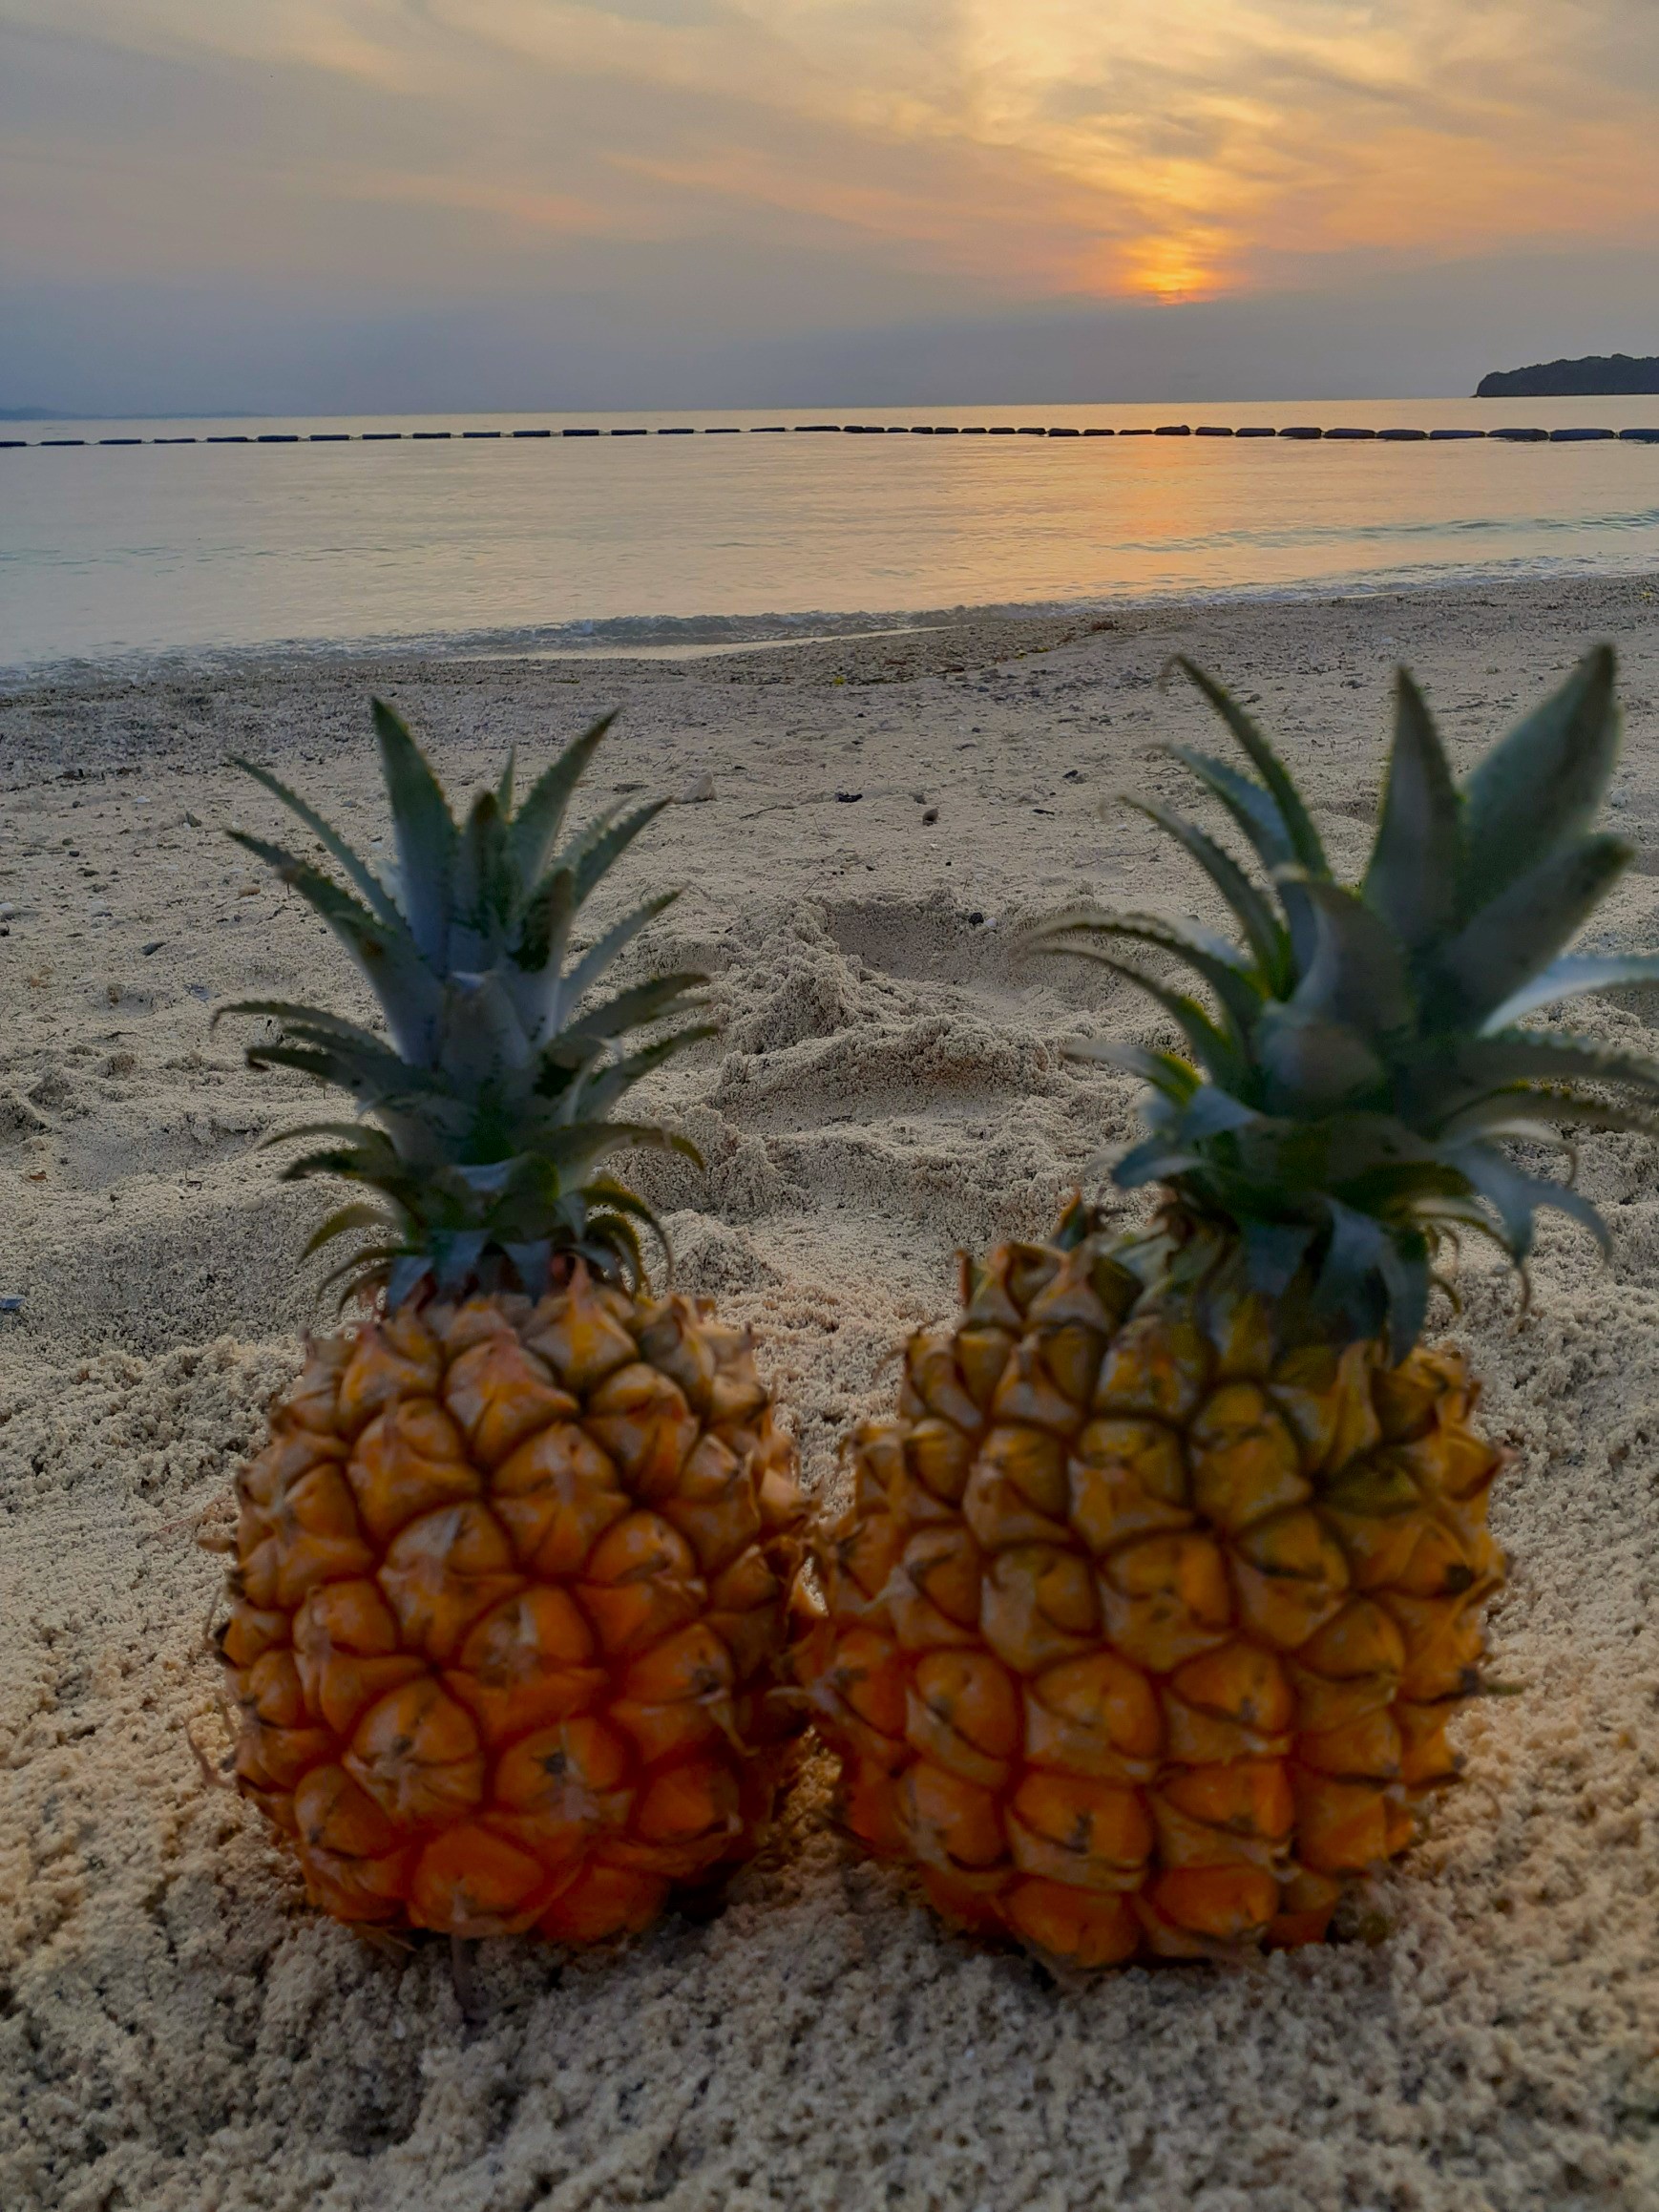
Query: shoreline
618	638
890	1082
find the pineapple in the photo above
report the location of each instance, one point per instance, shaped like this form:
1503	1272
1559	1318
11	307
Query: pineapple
1154	1601
514	1570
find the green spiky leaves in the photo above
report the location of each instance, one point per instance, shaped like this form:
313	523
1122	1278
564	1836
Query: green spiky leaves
488	1109
1356	1071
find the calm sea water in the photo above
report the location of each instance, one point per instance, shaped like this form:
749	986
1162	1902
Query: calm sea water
117	553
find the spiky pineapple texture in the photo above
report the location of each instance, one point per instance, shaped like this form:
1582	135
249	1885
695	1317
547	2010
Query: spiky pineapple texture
494	1086
1359	1068
1141	1630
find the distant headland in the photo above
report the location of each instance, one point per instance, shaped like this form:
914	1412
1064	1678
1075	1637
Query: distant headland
1598	375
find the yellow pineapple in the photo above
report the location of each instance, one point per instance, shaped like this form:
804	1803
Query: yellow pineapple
1155	1598
513	1573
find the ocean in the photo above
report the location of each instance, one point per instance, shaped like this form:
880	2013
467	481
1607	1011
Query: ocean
503	540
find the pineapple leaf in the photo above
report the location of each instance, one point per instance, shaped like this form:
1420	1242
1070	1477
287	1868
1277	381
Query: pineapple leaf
1567	978
1248	805
1357	978
313	1017
1543	785
353	1072
363	1214
1412	881
408	1270
1515	1197
386	953
1477	1065
599	955
1263	931
1402	1263
351	1133
547	919
483	895
483	1038
374	891
608	1235
1312	1064
600	1092
455	1254
537	825
533	1263
1300	834
1531	1113
1212	958
640	1003
1520	931
602	844
1219	1055
1273	1253
1350	1270
1163	1070
569	1062
426	834
1155	1160
1256	816
364	1268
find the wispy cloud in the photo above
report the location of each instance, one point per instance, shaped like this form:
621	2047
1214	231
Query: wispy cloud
1025	149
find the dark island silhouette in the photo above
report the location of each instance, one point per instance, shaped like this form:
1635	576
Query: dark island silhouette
1597	376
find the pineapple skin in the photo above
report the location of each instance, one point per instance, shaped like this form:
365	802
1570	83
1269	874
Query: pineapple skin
512	1584
1142	1638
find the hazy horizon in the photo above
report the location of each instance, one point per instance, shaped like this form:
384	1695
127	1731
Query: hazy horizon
350	206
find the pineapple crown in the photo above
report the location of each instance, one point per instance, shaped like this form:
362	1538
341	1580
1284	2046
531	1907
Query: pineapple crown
1359	1070
491	1095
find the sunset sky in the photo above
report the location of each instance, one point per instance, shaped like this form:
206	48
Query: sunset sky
429	203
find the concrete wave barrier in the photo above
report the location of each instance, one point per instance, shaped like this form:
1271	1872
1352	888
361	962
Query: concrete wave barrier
1305	433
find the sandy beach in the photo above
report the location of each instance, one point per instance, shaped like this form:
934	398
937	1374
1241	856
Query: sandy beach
865	824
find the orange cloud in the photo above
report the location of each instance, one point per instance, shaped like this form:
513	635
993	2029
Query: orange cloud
1164	149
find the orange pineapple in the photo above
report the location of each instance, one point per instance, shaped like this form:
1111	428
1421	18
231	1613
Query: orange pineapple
514	1571
1154	1601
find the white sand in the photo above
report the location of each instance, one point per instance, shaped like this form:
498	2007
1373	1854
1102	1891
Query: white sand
178	2030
